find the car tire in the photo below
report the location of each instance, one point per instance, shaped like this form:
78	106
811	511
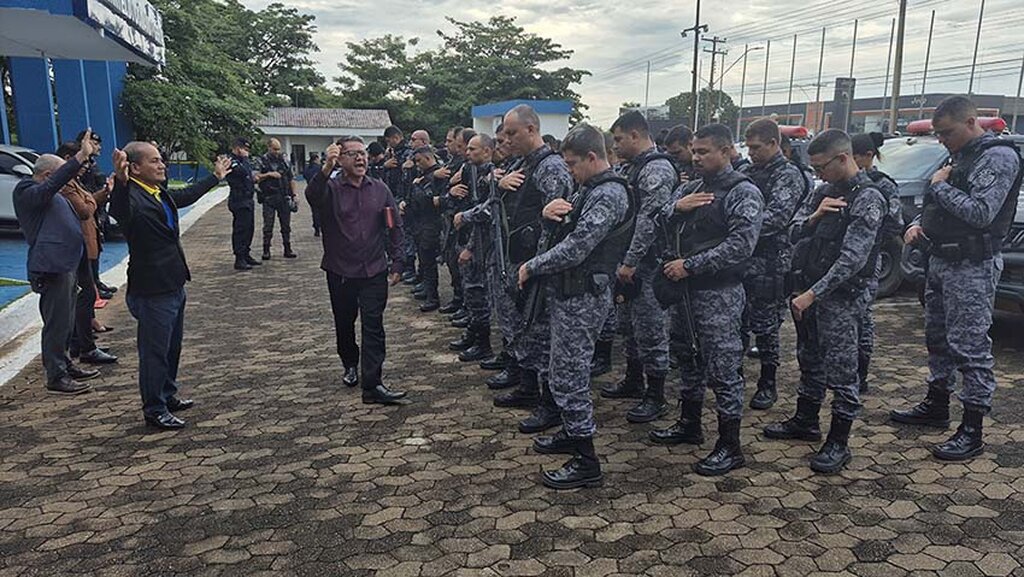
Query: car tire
891	276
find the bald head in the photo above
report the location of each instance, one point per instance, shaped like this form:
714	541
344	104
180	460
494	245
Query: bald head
274	146
145	163
419	138
521	127
45	165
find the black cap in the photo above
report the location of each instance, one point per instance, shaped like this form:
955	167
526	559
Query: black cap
375	149
241	143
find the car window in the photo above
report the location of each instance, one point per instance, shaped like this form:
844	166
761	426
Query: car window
904	162
8	162
29	156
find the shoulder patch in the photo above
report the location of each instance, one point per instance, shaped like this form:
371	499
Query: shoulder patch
985	177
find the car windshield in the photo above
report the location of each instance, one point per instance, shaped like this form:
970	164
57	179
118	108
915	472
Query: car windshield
906	162
28	155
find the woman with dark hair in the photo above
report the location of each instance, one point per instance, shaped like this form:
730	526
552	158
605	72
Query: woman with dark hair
866	148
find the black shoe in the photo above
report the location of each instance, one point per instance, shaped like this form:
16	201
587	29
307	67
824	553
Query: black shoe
544	417
104	295
351	377
499	362
933	411
754	352
175	404
602	361
653	405
430	305
80	374
687	430
419	287
803	426
450	308
467	340
266	254
507	378
478	352
525	396
630	387
582	470
165	421
288	253
557	444
967	441
420	295
316	232
461	314
97	356
67	386
241	264
835	453
105	287
251	261
381	395
766	393
462	323
727	454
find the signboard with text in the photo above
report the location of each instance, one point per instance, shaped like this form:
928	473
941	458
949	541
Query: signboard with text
136	24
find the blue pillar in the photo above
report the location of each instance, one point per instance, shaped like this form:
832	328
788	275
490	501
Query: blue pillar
72	98
5	130
101	109
33	103
122	126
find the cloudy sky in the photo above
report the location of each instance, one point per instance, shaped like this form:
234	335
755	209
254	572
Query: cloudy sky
615	40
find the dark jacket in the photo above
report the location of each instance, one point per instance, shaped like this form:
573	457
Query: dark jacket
156	261
51	225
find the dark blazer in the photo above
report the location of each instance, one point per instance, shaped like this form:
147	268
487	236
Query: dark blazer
156	261
51	226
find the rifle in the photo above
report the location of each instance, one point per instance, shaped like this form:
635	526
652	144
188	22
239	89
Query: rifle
670	252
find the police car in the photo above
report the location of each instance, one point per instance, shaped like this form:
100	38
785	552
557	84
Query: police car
911	160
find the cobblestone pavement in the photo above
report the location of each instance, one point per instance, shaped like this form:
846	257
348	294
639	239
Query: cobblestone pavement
283	471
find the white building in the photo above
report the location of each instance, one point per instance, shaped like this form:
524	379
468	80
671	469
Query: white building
554	115
306	130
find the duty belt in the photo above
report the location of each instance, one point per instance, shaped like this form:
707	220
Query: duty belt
973	248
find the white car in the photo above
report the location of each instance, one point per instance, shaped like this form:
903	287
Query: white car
16	163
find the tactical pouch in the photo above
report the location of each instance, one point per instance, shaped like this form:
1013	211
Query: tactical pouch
574	282
666	291
626	292
972	248
522	242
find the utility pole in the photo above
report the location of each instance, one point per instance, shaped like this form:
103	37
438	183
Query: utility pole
977	41
853	52
1016	103
696	29
927	58
817	95
764	90
714	52
647	88
897	74
743	88
888	64
792	71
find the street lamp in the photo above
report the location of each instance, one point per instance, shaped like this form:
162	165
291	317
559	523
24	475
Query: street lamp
743	83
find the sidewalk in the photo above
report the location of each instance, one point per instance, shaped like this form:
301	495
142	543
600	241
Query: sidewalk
283	470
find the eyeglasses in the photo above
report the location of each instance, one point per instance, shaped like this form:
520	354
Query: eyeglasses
354	153
823	167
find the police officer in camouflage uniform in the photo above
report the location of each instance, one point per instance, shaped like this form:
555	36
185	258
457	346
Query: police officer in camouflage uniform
240	203
865	151
782	186
576	276
654	177
968	210
277	193
837	239
677	145
422	207
450	251
398	173
720	218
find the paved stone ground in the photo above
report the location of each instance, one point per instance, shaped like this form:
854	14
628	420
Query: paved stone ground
282	470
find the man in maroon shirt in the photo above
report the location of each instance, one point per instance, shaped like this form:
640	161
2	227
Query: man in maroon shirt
361	229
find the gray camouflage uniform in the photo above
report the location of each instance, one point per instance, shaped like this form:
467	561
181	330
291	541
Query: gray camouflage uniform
575	321
646	323
959	296
828	332
718	310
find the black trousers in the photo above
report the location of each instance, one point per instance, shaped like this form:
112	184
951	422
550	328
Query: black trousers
82	338
57	307
243	225
428	245
365	298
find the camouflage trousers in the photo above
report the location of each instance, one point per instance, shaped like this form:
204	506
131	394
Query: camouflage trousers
866	337
716	317
530	349
575	323
763	316
646	325
474	292
958	302
610	327
827	338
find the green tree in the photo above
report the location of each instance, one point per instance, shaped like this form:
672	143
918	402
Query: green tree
714	105
280	42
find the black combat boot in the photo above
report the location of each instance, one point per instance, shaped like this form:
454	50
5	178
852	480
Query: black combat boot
653	405
481	349
288	248
727	454
242	264
766	393
266	250
933	411
966	442
524	396
802	426
630	387
461	322
582	470
835	453
602	361
508	377
545	416
557	444
467	340
433	301
863	363
498	362
450	308
686	430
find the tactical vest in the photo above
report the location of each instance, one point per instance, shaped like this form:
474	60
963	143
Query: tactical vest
524	216
888	187
822	250
633	172
707	227
765	179
944	228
